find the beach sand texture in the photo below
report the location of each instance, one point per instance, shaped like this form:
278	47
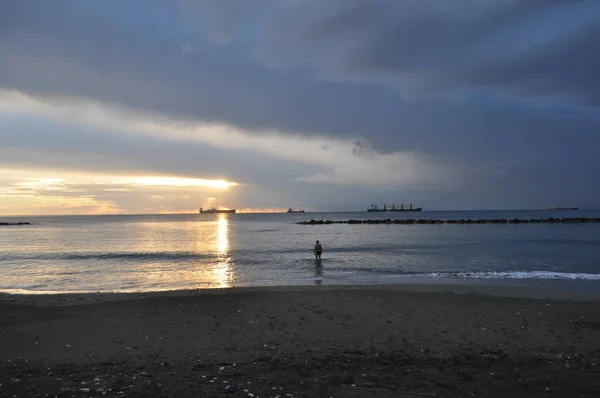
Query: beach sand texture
448	341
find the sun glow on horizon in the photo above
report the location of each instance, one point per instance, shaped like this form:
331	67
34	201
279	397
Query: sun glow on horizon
60	192
262	210
180	182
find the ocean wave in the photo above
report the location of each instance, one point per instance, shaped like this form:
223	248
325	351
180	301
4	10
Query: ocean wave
108	256
504	275
132	256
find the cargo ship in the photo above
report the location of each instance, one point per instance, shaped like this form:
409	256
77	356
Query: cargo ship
375	208
562	208
290	210
212	210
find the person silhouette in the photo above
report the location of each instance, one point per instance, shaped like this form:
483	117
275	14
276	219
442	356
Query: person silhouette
318	250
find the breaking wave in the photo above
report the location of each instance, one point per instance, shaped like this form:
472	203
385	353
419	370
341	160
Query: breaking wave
506	275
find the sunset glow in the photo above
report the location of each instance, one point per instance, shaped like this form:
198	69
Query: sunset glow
180	182
32	191
260	210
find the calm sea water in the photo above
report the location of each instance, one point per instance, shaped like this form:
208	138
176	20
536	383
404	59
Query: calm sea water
164	252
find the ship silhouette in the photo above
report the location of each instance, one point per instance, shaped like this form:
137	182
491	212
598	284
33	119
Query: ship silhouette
375	208
212	210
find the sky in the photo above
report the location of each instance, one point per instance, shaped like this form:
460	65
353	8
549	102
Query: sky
165	106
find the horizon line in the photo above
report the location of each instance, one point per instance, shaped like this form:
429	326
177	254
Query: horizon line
282	212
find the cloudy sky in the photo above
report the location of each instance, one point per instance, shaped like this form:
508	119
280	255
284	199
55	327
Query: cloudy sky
146	106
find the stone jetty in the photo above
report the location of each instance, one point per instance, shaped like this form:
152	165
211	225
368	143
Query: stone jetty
552	220
14	223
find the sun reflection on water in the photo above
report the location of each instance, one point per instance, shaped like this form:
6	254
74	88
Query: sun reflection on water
222	270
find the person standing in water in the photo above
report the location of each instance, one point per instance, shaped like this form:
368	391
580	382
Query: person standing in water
318	250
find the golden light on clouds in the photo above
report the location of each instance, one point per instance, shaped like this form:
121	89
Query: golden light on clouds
179	182
33	192
345	163
49	184
56	205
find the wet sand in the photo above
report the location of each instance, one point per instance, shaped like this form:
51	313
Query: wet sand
308	341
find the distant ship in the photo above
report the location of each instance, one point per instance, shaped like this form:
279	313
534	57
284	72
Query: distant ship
213	210
562	208
290	210
375	208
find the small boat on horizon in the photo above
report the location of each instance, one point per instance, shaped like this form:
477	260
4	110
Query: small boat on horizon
290	210
562	208
212	210
375	208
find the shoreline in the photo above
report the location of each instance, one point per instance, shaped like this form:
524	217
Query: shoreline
543	289
307	341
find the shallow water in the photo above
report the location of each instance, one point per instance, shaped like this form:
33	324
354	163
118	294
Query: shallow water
164	252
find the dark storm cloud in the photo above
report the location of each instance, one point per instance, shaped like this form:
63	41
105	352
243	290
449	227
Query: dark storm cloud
521	48
505	90
145	55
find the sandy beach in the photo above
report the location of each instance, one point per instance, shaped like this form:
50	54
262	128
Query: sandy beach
448	341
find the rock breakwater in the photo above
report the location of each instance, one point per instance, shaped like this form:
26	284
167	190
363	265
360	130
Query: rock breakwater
410	221
14	223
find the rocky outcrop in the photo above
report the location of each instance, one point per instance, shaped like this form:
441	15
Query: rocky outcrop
14	223
410	221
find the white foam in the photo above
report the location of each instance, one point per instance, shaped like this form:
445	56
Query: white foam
538	275
511	275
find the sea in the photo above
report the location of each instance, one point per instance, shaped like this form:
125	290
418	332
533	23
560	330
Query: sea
140	253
